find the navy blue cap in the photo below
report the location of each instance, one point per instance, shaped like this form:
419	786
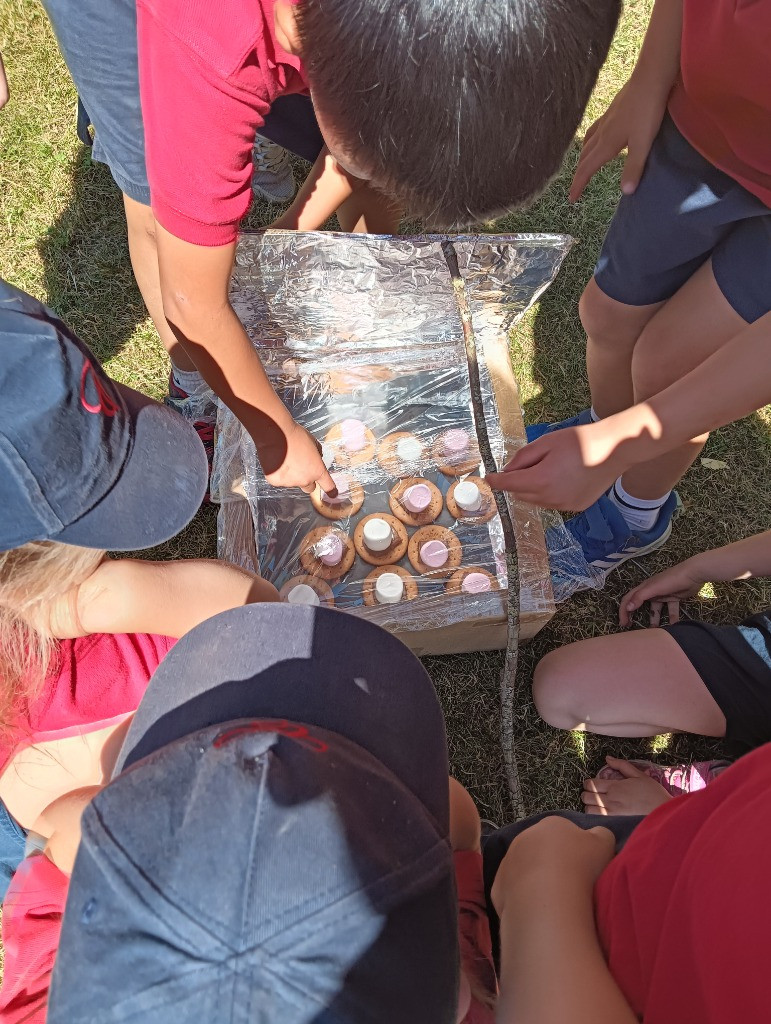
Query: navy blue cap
84	460
274	847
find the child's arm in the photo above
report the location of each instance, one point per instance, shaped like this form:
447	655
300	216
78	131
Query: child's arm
167	598
552	967
59	824
465	826
634	117
194	281
739	561
324	190
570	469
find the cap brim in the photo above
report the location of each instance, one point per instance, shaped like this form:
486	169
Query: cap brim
316	666
159	490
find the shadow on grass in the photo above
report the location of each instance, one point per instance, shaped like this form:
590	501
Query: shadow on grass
88	275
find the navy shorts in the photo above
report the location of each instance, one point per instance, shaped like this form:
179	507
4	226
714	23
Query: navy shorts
683	212
98	40
734	663
496	845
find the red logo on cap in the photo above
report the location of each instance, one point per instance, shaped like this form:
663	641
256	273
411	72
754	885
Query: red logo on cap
291	730
106	405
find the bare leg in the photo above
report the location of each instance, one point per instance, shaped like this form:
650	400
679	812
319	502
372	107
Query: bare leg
612	330
626	684
695	323
369	211
144	260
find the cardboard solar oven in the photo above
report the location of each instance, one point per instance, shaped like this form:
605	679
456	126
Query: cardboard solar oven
363	340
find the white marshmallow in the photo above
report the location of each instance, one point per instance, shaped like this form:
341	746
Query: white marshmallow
303	594
377	534
468	496
409	449
389	588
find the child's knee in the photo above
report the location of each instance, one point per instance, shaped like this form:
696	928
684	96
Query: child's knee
652	370
606	321
552	685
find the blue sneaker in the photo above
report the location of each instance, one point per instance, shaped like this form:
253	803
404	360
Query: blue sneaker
539	429
605	538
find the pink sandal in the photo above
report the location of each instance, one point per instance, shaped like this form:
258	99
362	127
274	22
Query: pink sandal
676	779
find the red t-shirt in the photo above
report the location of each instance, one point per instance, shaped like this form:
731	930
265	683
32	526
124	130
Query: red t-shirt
476	954
32	922
722	101
96	681
208	74
683	911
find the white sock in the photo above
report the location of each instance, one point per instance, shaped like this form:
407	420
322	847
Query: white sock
190	381
639	513
595	417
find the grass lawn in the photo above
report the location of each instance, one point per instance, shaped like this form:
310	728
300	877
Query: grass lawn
62	238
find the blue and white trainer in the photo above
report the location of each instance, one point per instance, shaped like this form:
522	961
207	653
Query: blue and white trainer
539	429
606	540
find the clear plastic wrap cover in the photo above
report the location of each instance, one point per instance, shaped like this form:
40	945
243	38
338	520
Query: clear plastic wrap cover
362	339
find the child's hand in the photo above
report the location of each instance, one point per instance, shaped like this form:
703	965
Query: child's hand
669	588
552	851
567	469
637	793
631	122
296	462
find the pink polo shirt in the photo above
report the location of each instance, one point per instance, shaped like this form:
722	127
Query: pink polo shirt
208	74
95	681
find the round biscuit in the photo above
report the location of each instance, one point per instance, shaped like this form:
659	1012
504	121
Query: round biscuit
395	551
448	538
454	583
368	584
337	512
484	514
428	515
314	566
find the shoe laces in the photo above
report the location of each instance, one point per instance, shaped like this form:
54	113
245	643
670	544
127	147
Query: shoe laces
205	430
266	155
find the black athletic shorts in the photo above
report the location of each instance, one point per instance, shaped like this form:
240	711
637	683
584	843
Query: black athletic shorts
495	845
734	663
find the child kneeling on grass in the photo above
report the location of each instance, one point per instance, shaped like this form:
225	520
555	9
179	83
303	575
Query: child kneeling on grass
688	676
85	464
678	313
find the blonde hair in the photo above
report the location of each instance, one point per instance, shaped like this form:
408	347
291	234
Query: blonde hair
31	578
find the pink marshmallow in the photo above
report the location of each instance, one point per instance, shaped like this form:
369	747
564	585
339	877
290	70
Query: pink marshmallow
343	484
476	583
354	435
434	554
329	549
455	442
416	498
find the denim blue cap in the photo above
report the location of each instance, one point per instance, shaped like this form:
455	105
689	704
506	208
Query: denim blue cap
274	845
84	460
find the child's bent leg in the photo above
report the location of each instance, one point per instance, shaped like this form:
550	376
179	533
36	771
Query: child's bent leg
627	684
696	322
612	330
